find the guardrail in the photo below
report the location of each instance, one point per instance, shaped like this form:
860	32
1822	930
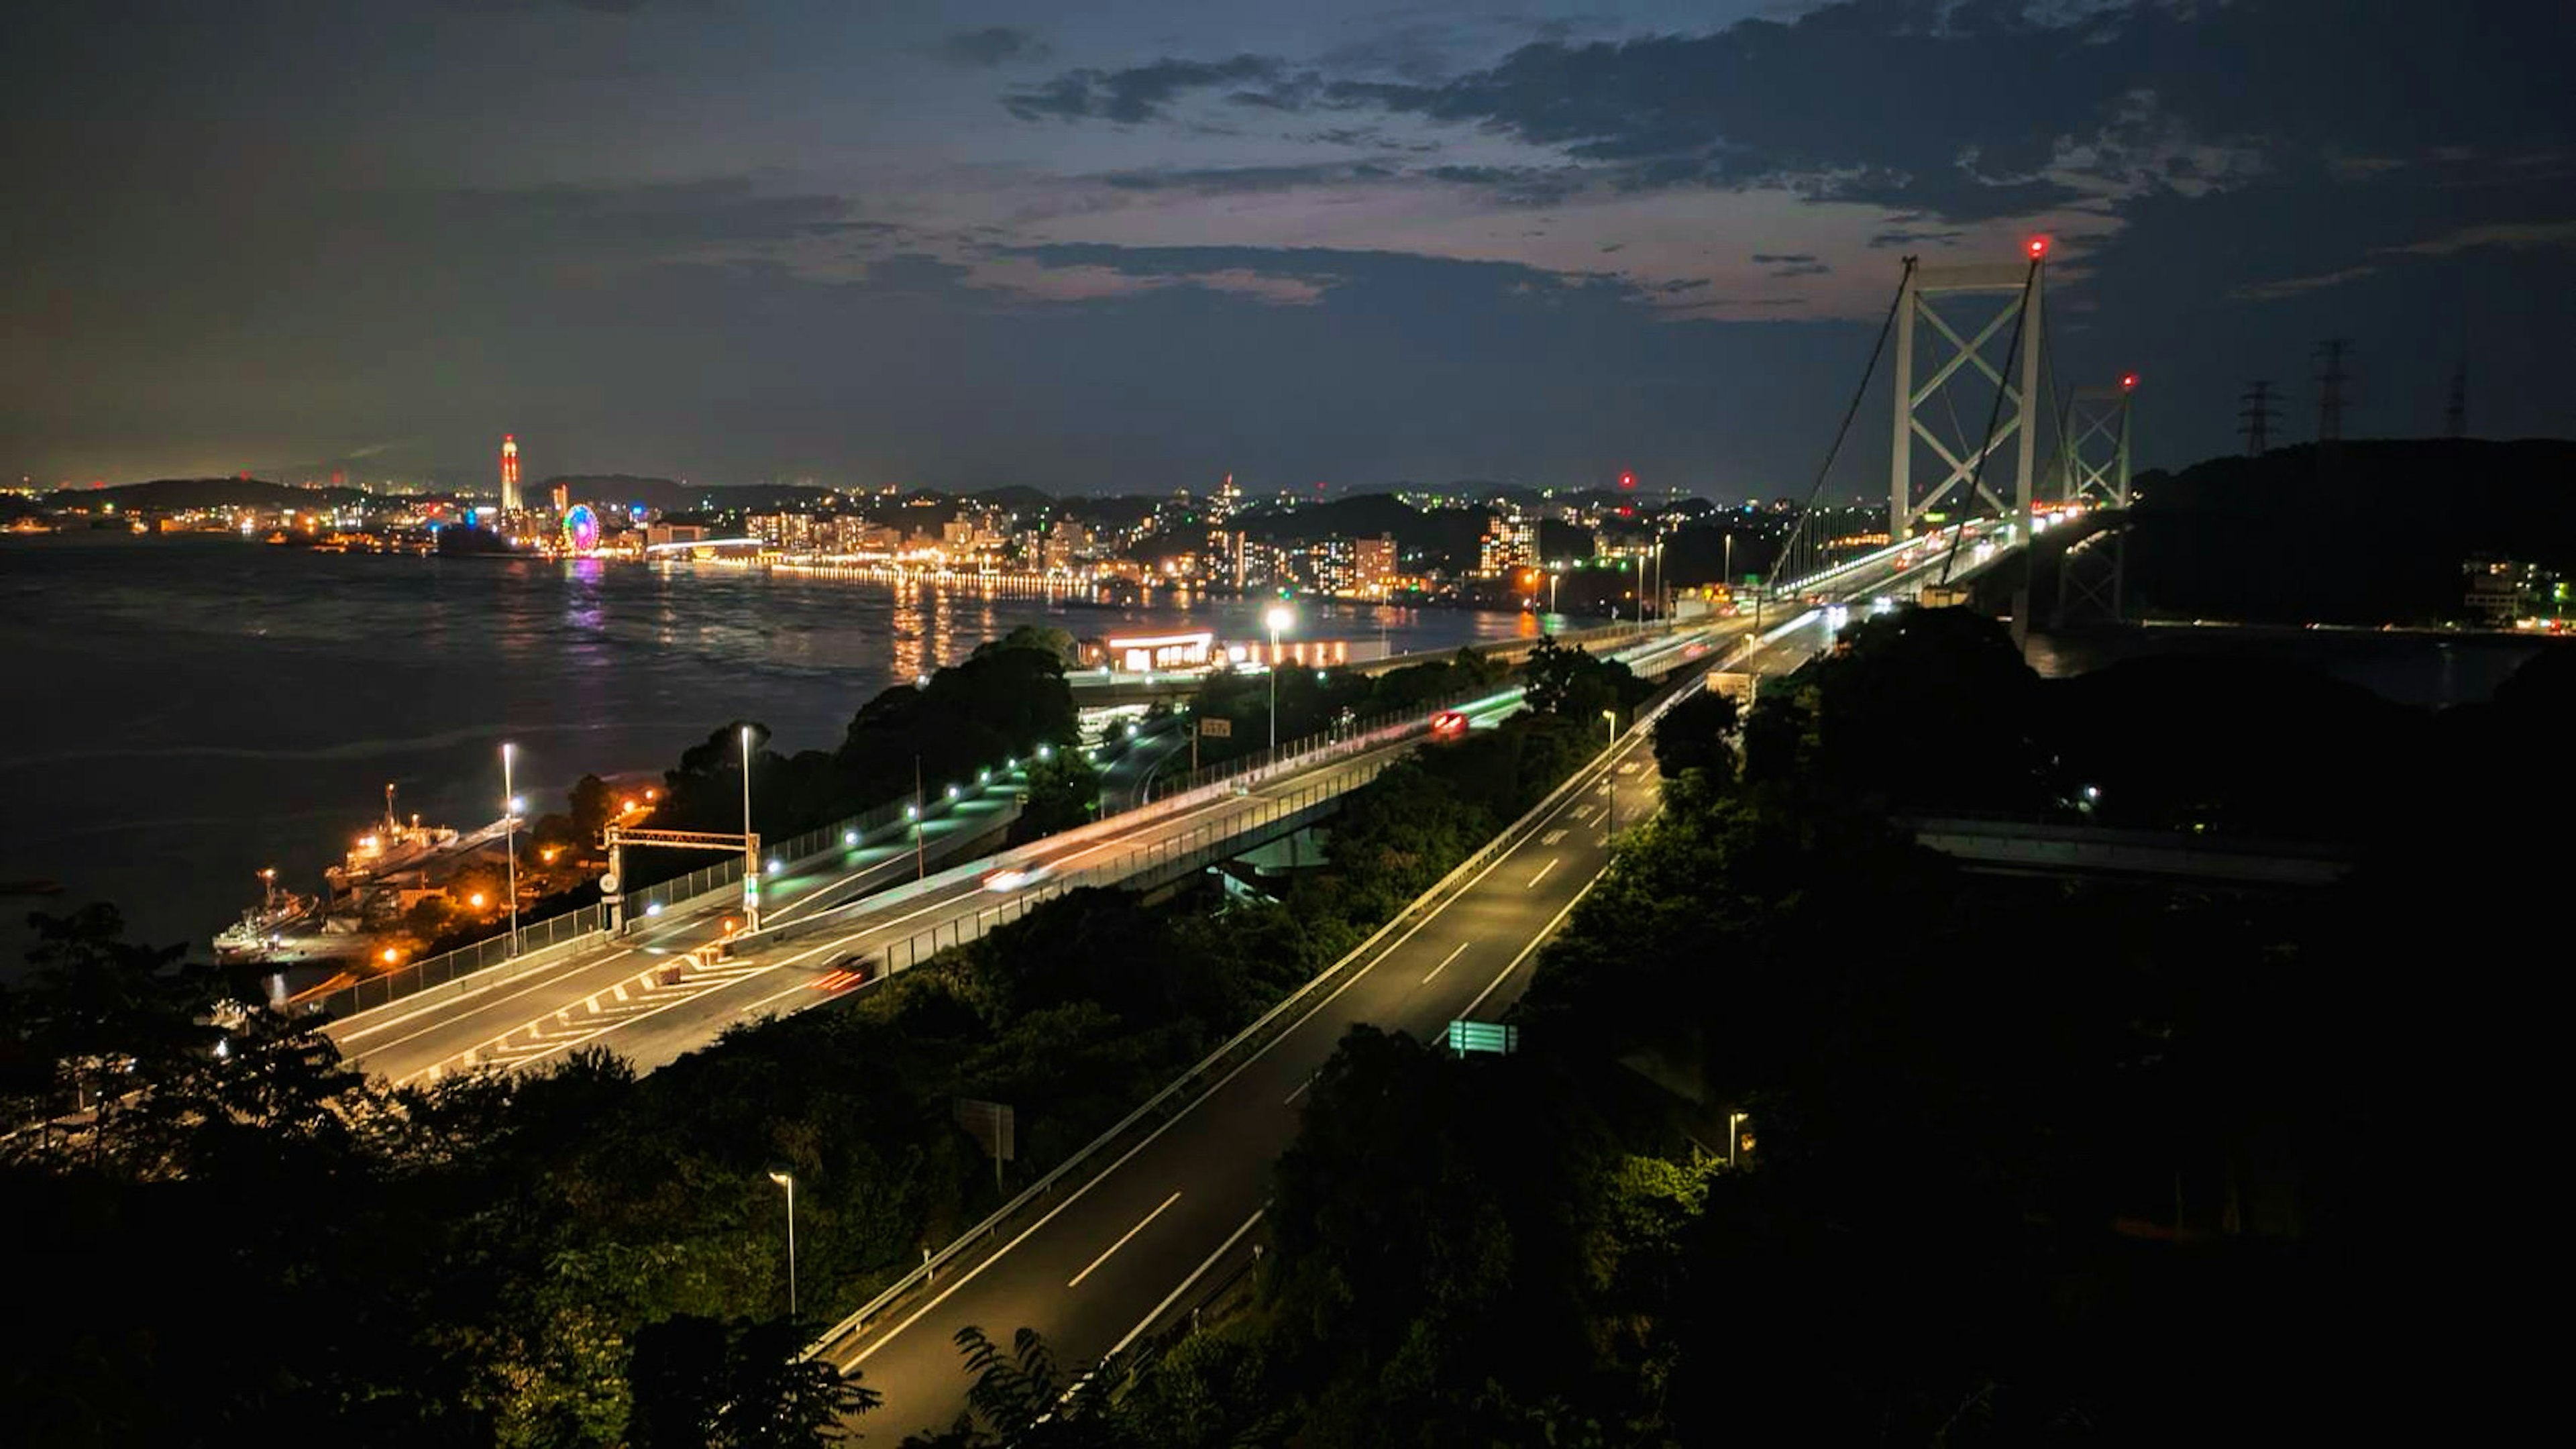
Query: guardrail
1087	1162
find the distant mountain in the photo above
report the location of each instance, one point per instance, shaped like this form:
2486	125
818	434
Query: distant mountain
164	494
1447	535
2374	533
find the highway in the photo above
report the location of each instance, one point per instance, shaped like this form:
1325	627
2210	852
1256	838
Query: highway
1120	1256
642	997
1107	1260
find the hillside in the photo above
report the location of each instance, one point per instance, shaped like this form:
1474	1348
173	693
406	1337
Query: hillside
2377	539
164	494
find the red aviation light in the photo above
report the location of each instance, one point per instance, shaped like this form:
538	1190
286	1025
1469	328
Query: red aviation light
2038	247
2128	380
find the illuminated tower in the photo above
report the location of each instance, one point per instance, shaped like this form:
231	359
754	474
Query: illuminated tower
509	473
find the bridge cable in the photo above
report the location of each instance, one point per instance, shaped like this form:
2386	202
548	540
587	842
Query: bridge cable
1995	417
1788	550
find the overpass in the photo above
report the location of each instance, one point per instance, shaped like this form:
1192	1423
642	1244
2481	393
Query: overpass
652	994
1117	1245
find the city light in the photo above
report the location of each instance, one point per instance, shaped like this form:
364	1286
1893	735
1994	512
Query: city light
2038	247
849	837
391	955
475	900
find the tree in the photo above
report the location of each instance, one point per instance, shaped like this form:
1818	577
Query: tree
1692	735
1020	1400
593	806
1063	792
1571	684
738	1385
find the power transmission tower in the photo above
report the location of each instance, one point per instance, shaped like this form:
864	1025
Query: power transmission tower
2455	416
2330	380
2257	414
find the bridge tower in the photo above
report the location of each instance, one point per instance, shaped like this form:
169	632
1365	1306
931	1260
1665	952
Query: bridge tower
2092	578
2013	417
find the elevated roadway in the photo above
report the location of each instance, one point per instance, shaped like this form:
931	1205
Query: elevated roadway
651	994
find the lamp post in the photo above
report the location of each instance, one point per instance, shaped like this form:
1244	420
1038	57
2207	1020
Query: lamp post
1610	780
510	830
1280	619
787	1180
1554	577
1734	1131
750	845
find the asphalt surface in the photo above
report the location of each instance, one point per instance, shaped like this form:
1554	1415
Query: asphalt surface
1100	1266
843	904
1118	1257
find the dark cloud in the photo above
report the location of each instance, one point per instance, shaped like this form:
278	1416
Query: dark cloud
1221	179
1779	259
1966	109
992	46
1899	237
1136	94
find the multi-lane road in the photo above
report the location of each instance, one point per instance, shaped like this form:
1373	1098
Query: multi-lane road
1119	1256
1099	1268
646	997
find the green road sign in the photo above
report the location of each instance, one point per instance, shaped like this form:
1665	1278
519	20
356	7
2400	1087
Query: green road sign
1483	1036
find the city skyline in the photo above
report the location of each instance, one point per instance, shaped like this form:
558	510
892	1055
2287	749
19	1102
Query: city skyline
969	249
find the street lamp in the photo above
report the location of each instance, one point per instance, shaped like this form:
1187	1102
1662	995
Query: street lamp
1734	1125
1280	619
750	845
1555	576
787	1180
510	829
1610	816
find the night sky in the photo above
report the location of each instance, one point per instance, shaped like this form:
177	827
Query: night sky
1138	245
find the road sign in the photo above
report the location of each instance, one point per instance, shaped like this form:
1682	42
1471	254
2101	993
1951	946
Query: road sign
608	885
993	1126
1483	1036
1215	728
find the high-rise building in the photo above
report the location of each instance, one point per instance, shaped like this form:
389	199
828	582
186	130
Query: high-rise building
1510	540
510	501
563	498
1372	567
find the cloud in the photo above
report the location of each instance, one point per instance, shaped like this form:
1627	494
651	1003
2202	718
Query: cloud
1955	110
1220	180
2294	286
2516	235
992	46
1899	237
1782	259
1136	94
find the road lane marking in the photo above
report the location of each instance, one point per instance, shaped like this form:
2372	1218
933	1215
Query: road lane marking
1291	1099
446	1002
1077	1278
1358	974
1195	1275
1536	941
1552	837
1453	955
1542	873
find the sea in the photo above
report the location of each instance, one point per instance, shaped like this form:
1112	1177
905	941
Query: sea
186	710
